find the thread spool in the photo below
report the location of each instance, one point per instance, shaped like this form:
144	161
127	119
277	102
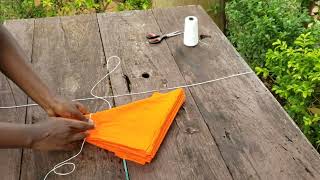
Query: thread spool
191	34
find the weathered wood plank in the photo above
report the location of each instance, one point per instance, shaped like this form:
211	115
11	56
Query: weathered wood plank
11	95
188	151
68	56
256	137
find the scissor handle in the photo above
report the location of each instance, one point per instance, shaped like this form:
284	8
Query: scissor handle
152	35
155	40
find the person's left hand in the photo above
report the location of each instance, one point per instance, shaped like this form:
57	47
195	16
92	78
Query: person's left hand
68	109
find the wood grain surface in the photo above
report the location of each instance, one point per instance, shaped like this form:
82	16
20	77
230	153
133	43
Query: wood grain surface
230	129
189	151
11	95
256	137
68	56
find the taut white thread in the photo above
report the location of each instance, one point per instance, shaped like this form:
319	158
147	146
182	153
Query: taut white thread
130	94
104	98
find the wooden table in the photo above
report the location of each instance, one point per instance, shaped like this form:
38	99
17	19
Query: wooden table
229	129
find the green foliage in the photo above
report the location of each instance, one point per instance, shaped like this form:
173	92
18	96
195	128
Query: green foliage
15	9
27	9
5	10
135	4
306	3
296	73
291	66
215	8
252	25
70	7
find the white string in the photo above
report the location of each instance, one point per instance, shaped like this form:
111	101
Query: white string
104	98
93	87
65	162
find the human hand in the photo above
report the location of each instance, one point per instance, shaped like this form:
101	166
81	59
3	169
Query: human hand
67	109
58	133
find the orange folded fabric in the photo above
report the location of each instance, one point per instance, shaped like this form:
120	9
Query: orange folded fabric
135	131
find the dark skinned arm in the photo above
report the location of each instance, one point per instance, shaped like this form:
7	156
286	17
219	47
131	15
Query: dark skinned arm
53	133
13	65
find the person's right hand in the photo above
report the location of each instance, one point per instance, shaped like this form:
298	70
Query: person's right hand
59	133
67	109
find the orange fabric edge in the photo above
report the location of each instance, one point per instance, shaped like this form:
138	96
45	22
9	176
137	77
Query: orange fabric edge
140	156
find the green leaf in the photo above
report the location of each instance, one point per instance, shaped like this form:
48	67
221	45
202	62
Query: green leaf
314	110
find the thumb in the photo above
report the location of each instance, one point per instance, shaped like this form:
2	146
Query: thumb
76	114
80	125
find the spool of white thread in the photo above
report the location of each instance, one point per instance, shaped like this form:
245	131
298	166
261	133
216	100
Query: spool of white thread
191	34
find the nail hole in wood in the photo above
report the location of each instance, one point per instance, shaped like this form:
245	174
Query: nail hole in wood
203	36
145	75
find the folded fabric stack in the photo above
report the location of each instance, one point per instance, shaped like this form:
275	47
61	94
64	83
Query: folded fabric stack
135	131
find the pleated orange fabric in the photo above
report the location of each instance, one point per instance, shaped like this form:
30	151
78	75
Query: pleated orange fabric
135	131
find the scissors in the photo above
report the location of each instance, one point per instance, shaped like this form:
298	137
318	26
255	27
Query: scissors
156	38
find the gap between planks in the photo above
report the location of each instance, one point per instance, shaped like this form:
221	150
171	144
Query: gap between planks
192	95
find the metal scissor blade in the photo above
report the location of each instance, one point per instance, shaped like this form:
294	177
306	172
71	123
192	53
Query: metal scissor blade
173	34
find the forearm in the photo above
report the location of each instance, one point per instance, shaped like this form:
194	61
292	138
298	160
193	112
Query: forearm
13	65
15	135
